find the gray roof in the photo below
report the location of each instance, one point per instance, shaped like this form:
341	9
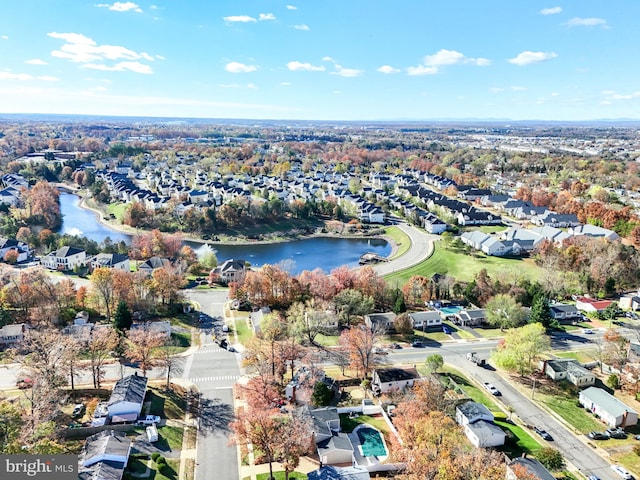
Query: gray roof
338	441
339	473
67	252
561	307
569	365
397	374
12	330
129	389
153	263
102	471
107	442
483	429
109	259
424	316
473	410
607	402
534	467
327	414
479	313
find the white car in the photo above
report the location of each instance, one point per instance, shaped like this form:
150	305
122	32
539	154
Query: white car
492	389
587	331
148	420
622	472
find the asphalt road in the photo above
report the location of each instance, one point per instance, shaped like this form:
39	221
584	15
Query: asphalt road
214	370
421	248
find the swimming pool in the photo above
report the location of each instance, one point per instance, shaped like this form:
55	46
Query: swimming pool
371	441
450	310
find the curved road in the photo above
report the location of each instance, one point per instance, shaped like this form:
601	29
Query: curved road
421	248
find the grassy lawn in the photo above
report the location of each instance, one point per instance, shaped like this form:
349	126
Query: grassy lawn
327	340
171	437
400	238
629	460
349	424
242	328
490	332
117	209
521	442
464	267
280	476
470	389
566	407
175	468
165	404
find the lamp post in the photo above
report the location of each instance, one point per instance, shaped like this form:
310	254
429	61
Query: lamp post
533	389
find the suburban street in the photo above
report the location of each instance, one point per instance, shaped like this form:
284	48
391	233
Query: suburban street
214	370
421	248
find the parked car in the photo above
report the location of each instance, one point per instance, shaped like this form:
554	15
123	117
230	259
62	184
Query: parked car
395	346
543	433
598	435
617	433
418	344
380	351
446	330
622	472
593	477
78	410
148	420
492	389
588	331
24	383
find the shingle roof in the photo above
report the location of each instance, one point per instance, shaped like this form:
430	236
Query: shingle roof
607	402
397	374
129	389
338	441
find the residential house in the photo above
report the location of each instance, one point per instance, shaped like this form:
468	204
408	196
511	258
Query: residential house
552	234
162	327
426	320
331	472
530	467
65	258
629	302
432	224
558	220
474	216
477	423
592	305
324	422
594	231
231	270
11	335
633	352
7	244
9	196
104	456
257	317
336	450
153	263
470	317
570	370
611	411
125	403
115	261
564	313
387	379
380	322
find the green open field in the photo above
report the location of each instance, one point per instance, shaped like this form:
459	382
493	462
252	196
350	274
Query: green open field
464	267
400	238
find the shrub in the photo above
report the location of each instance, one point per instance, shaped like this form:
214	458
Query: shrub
166	470
160	461
155	456
636	450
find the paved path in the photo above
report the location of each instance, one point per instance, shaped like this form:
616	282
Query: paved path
421	248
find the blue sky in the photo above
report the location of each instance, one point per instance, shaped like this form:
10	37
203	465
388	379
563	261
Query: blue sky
323	59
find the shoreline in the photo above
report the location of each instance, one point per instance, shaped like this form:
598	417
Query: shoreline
125	229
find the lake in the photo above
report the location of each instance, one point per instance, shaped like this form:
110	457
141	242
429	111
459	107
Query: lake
297	255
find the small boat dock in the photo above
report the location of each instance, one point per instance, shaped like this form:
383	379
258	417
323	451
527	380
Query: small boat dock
370	257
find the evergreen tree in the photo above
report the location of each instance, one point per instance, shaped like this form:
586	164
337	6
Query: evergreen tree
322	395
540	312
399	306
122	319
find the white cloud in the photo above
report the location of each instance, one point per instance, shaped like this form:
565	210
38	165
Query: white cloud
36	61
291	7
517	88
136	67
587	22
496	89
285	84
239	19
4	37
388	69
252	86
479	62
527	57
121	7
451	57
328	59
15	76
346	72
160	57
266	16
307	67
555	94
99	88
48	78
551	11
422	70
82	49
237	67
302	26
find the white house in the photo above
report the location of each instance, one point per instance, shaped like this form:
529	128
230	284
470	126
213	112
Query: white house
478	426
65	258
591	304
594	231
116	261
564	312
386	379
11	335
610	410
104	456
382	322
336	450
231	270
125	403
7	244
470	317
470	412
568	369
426	320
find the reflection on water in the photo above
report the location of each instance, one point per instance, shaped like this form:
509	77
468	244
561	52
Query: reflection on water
297	255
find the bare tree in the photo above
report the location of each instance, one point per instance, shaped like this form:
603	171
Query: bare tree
143	346
102	342
168	360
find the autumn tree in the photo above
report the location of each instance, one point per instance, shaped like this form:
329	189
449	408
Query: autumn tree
295	442
102	342
350	303
167	360
102	287
166	282
358	342
47	358
521	347
41	204
402	324
143	345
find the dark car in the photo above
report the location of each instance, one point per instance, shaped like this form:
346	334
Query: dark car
395	346
417	344
78	411
598	435
543	433
618	433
